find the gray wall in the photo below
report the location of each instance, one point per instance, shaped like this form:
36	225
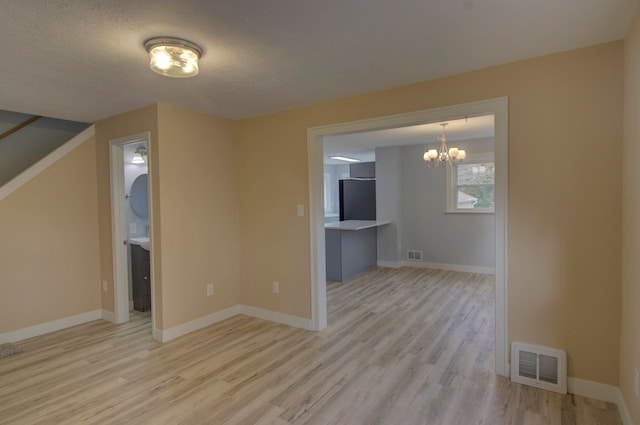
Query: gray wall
30	144
461	239
336	172
413	197
389	203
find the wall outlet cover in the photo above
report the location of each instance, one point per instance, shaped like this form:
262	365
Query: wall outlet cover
209	289
275	287
132	228
105	286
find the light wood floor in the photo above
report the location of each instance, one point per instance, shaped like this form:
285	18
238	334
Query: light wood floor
406	346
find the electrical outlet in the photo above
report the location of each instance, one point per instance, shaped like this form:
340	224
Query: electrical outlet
105	286
635	380
300	210
132	228
209	289
276	287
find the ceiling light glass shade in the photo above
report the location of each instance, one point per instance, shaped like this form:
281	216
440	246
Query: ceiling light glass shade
173	57
138	156
137	159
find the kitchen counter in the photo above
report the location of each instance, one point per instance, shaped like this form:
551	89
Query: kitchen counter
354	224
351	248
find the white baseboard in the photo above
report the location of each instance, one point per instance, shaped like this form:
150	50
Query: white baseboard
285	319
109	316
602	392
194	325
449	267
158	334
390	264
54	325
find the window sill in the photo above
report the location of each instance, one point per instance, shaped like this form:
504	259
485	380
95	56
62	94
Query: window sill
470	211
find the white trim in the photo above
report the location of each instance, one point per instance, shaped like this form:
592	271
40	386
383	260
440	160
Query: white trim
28	174
108	316
449	267
118	227
195	325
203	322
118	233
48	327
452	185
274	316
602	392
390	264
499	107
157	334
437	266
318	265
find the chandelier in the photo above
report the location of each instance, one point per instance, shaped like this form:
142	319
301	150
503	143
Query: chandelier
451	156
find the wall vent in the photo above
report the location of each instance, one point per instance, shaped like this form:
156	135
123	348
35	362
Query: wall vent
538	366
414	255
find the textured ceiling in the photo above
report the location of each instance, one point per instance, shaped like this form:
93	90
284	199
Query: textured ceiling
84	60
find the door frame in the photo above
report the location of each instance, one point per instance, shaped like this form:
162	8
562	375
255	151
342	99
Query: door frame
499	107
118	225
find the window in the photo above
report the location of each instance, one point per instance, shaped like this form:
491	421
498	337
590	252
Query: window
470	185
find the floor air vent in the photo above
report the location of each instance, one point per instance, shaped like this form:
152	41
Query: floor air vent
414	255
540	367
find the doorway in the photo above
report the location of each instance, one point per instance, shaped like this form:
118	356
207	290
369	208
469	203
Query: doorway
499	108
132	225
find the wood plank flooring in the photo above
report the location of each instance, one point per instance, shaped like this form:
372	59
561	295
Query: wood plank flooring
406	346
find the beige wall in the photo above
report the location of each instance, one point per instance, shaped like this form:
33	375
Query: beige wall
49	254
564	203
123	125
199	214
630	334
195	228
220	187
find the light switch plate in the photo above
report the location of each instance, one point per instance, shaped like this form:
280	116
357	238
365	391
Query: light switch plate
132	228
300	210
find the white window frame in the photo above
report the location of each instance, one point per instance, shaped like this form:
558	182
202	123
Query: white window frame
452	184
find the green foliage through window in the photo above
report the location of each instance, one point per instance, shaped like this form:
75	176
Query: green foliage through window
475	188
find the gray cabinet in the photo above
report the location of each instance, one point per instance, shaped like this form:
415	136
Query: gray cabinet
349	253
141	276
363	170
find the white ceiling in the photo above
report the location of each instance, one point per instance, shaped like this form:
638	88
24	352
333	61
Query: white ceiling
84	60
362	145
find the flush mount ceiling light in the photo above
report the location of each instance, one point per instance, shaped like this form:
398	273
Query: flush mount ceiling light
452	156
344	158
138	156
173	57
